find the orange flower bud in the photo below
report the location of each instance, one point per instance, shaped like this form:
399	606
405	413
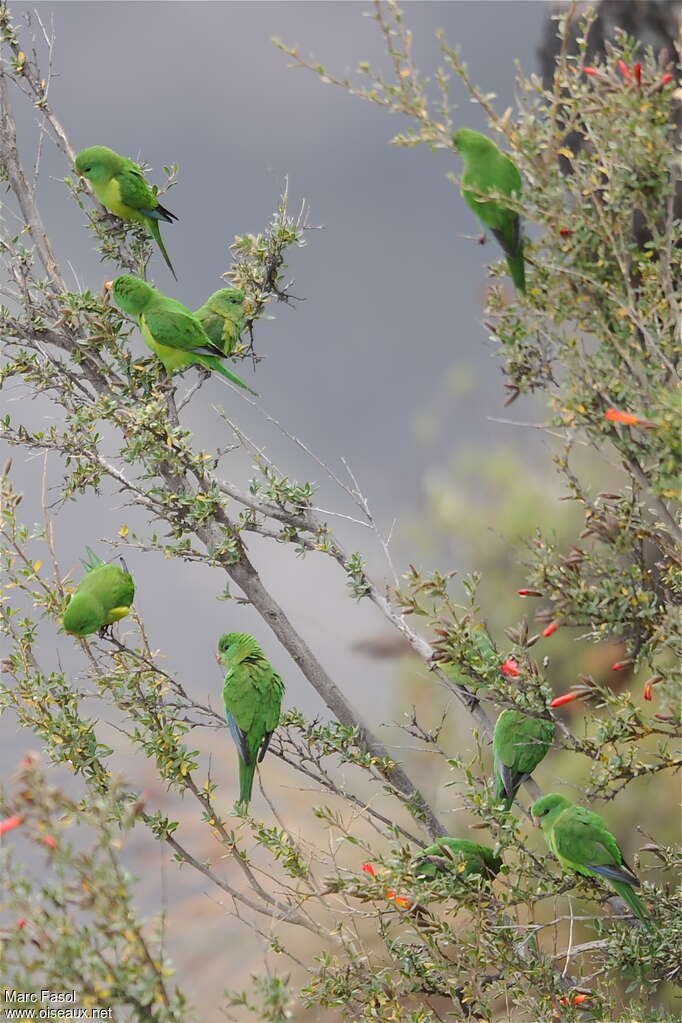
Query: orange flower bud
550	630
559	701
667	79
529	593
9	824
400	900
619	665
624	69
50	842
615	416
369	869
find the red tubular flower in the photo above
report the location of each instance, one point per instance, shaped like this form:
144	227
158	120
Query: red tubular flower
529	593
50	842
21	923
579	999
619	665
550	630
559	701
667	79
615	416
565	232
9	824
638	73
592	71
510	668
624	69
369	869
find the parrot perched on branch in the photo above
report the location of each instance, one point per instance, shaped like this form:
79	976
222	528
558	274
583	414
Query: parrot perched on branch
253	694
459	857
223	317
172	332
103	597
487	170
119	184
456	670
520	742
581	841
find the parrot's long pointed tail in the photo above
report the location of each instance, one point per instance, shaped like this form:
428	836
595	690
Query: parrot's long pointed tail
155	232
628	895
246	775
91	560
517	271
214	363
501	794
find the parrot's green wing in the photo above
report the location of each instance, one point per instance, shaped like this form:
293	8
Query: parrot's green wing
174	326
520	742
581	838
134	190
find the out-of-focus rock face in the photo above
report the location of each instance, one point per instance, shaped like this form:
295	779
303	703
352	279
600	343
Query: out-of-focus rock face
655	23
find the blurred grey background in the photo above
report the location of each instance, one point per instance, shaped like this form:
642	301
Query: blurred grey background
385	363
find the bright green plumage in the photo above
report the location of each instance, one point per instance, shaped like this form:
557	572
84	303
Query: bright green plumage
103	597
459	857
581	841
476	664
253	694
171	331
223	318
519	744
119	185
488	170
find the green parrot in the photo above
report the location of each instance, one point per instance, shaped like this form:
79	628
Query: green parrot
581	841
519	744
223	317
459	857
487	169
454	670
172	332
103	597
119	185
253	694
